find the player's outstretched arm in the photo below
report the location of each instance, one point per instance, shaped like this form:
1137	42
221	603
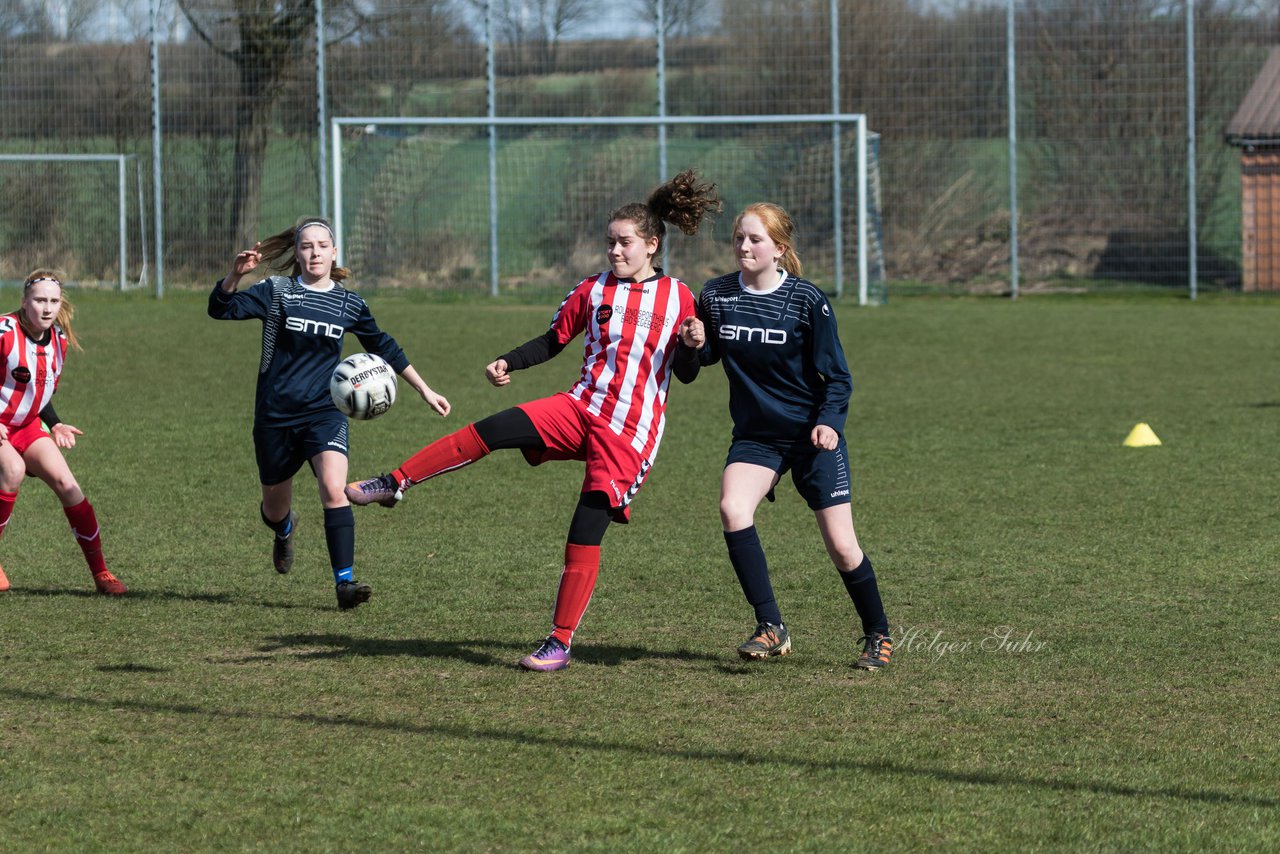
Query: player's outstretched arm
438	402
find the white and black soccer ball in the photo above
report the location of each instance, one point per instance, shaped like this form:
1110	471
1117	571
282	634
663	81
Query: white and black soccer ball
363	386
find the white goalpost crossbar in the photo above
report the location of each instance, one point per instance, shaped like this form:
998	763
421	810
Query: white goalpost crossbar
858	120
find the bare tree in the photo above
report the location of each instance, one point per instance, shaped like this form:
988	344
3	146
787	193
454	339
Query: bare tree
535	28
679	17
25	19
267	36
74	19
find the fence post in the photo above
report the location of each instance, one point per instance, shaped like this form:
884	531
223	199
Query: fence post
322	110
491	89
1192	225
156	146
1011	75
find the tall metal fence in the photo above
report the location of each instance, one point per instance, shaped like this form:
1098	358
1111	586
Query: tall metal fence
1121	172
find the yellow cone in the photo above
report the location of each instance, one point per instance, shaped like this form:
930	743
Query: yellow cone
1141	436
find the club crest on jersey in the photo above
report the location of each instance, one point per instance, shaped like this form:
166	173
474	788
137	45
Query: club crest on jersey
603	313
21	374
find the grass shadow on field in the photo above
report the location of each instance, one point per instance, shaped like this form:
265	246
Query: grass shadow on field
648	751
480	651
136	594
131	667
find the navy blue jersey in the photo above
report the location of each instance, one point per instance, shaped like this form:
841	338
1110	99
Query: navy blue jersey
302	332
781	352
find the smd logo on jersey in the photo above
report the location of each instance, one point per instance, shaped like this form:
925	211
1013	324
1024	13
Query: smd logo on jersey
314	327
21	374
753	334
603	313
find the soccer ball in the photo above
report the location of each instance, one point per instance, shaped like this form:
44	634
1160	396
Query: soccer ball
363	386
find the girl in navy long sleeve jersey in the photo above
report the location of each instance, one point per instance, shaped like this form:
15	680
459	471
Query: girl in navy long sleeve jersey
789	388
305	317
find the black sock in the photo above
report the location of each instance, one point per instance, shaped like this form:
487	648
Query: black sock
340	537
747	556
865	593
281	528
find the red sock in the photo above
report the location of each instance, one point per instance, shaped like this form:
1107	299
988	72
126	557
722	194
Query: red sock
577	582
7	500
84	524
460	448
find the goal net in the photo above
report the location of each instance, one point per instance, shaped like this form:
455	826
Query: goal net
79	213
445	204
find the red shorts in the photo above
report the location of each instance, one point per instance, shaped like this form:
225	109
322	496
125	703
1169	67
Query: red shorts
24	437
570	432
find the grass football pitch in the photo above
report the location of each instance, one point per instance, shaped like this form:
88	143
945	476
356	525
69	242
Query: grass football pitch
1086	651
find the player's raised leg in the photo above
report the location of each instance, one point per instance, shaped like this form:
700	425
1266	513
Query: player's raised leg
448	453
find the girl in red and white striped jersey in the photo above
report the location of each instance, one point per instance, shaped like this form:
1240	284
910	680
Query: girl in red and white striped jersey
635	321
33	344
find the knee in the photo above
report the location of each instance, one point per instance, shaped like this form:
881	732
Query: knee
12	473
736	513
67	490
332	495
848	558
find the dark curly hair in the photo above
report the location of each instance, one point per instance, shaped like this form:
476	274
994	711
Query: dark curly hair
684	201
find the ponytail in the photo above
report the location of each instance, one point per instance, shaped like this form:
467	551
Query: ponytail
684	201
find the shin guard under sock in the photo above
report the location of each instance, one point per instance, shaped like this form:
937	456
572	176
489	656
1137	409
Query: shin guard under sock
7	500
340	537
749	563
84	524
577	583
460	448
865	593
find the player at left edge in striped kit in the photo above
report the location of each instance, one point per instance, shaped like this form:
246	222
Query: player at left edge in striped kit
33	345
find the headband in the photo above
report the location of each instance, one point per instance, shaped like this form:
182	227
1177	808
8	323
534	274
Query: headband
298	231
31	282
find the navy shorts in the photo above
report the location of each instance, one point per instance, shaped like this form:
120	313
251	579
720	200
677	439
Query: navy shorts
281	451
821	477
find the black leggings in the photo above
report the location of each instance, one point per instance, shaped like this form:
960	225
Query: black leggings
512	428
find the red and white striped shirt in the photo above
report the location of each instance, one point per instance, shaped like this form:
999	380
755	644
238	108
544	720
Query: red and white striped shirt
629	341
31	371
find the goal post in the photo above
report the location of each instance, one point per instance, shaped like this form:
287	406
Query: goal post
54	219
440	201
